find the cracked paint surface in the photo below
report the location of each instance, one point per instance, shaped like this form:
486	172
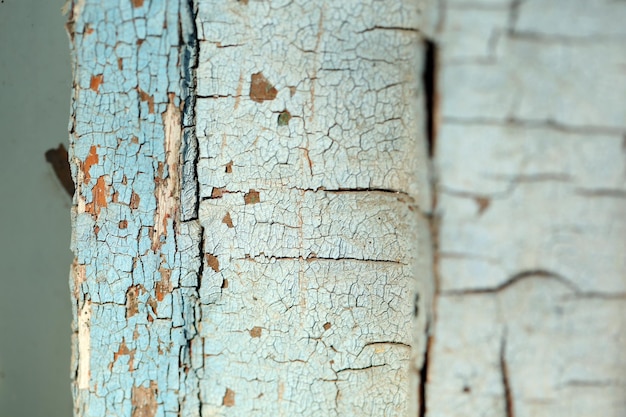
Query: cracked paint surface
137	261
247	221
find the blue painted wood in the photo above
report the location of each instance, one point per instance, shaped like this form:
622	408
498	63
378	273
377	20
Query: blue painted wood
134	279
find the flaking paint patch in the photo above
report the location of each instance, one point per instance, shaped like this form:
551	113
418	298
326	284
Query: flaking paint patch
144	400
213	262
217	192
134	151
483	204
95	82
167	188
132	304
99	197
143	96
84	345
229	398
256	332
228	221
252	197
261	89
92	159
134	201
164	286
124	350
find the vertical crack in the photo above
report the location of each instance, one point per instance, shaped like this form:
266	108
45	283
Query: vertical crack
429	80
191	353
431	102
508	397
424	375
189	63
514	14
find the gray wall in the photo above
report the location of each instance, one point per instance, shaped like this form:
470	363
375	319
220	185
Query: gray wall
34	211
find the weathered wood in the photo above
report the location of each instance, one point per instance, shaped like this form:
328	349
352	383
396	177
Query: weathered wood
248	244
135	276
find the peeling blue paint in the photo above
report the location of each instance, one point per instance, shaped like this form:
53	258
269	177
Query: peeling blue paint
136	52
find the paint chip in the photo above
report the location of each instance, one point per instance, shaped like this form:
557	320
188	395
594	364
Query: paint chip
252	197
255	332
213	262
229	167
99	197
227	220
123	224
163	287
137	3
143	96
123	350
261	89
217	192
144	400
327	326
92	159
134	201
483	204
132	304
229	398
96	81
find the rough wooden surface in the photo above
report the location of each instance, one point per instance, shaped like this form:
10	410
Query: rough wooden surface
246	227
531	196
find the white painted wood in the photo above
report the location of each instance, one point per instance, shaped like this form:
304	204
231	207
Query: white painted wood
310	226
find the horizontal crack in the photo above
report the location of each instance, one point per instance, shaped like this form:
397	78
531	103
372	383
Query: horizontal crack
262	258
534	124
365	368
317	190
392	28
601	192
532	273
563	39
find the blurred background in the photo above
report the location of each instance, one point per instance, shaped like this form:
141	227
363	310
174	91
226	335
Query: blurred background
35	316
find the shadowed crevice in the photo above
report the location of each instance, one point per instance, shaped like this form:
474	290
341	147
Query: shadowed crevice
429	80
